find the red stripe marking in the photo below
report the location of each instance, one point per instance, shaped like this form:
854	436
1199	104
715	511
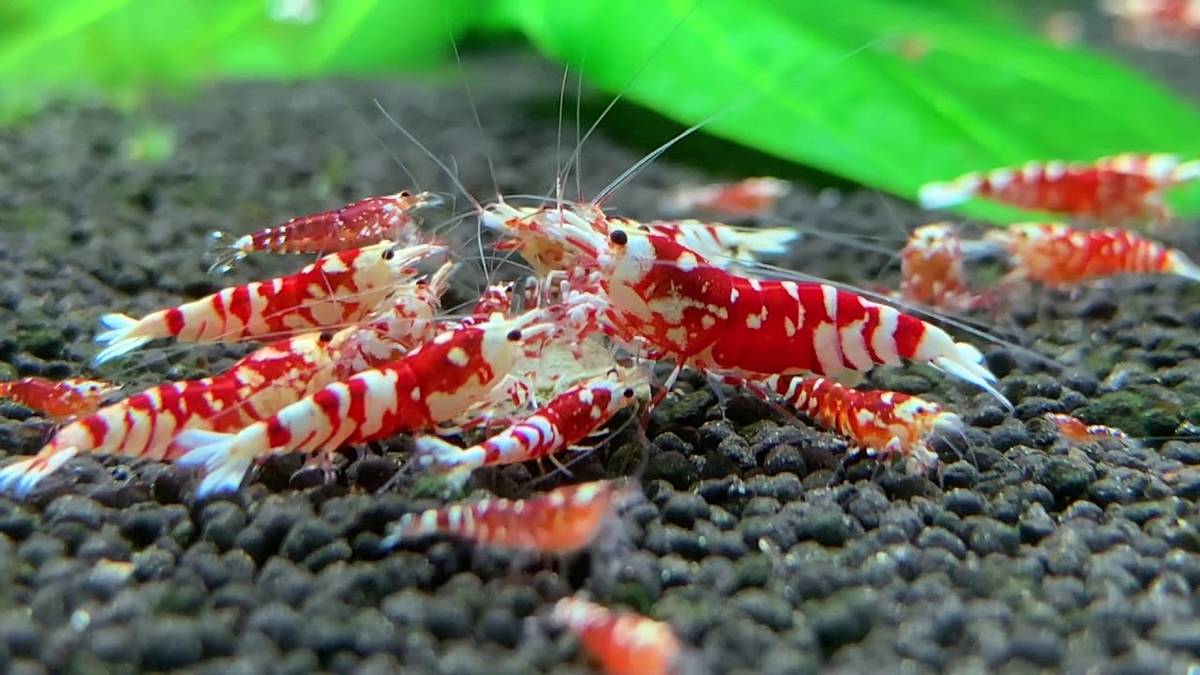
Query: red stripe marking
174	319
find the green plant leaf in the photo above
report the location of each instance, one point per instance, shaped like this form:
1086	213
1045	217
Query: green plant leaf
888	93
122	46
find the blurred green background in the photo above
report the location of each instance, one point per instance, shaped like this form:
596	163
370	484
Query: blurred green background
887	93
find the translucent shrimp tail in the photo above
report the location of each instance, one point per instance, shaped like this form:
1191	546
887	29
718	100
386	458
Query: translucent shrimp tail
945	195
966	363
225	250
410	526
20	478
119	338
212	452
431	452
1183	266
1187	171
772	240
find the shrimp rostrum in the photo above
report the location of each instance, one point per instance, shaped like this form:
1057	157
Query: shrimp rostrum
669	300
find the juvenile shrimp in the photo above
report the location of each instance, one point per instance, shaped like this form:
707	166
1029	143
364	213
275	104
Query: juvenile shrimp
566	420
882	424
674	302
1171	24
623	643
1054	254
58	399
1073	429
337	290
362	223
143	425
432	384
561	521
745	198
932	271
1111	189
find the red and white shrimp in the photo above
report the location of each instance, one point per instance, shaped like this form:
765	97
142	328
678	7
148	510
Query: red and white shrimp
561	521
882	424
932	271
1074	430
566	420
432	384
623	643
1111	189
58	399
672	302
746	198
143	425
1171	24
724	244
335	291
362	223
1055	254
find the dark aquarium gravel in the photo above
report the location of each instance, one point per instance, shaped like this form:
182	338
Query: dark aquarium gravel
764	550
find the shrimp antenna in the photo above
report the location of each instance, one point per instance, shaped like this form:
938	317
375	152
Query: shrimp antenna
642	163
574	158
428	153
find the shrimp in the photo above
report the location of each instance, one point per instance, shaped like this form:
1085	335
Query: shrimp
1054	254
561	521
362	223
742	199
882	424
60	400
432	384
1111	189
674	303
723	243
143	425
563	422
1171	24
336	290
623	643
931	269
1074	430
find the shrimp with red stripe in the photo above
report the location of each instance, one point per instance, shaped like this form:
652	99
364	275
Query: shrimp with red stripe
1111	189
932	271
624	643
1055	254
432	384
335	291
566	420
362	223
881	424
1075	430
143	425
670	300
746	198
561	521
58	399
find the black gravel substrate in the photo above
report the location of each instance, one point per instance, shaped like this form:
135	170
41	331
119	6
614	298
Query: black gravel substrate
1024	555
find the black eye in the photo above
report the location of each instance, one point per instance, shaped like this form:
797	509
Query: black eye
389	254
405	194
618	237
628	393
325	336
514	335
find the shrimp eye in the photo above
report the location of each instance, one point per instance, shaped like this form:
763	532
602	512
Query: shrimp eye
405	194
325	336
514	335
389	254
628	393
618	237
